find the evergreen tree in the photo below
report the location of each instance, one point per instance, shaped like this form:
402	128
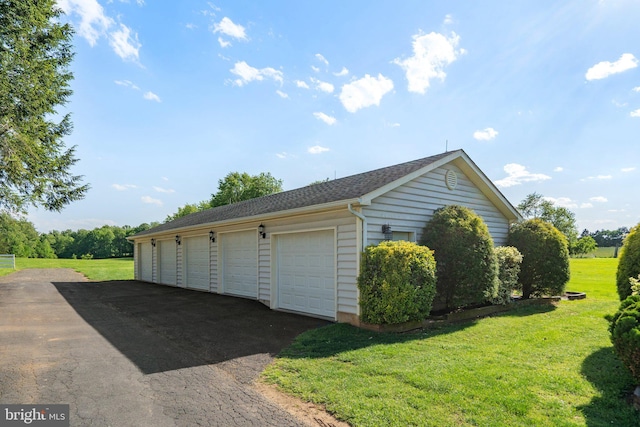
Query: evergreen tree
35	53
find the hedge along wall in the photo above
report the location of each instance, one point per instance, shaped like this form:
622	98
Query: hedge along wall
397	283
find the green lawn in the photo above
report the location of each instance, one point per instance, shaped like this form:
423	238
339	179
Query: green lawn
93	269
536	366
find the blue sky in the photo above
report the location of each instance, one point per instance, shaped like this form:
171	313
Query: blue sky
169	97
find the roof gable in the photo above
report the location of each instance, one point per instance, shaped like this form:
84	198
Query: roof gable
360	188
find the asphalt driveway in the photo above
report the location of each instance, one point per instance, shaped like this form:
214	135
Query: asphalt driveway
136	354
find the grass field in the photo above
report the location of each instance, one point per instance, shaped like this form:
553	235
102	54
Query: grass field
535	366
93	269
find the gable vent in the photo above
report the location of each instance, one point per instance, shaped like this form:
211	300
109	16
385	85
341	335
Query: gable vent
451	179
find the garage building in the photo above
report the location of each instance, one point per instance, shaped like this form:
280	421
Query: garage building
299	250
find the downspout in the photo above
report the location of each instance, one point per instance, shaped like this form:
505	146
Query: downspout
364	224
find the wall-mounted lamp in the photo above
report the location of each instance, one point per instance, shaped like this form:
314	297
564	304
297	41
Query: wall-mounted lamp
386	230
212	236
261	231
153	242
178	240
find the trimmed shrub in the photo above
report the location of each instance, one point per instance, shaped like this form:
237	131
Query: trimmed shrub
466	265
629	264
625	334
545	264
509	260
396	282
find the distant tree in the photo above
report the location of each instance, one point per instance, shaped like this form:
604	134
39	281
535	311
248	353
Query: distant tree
19	237
35	54
583	246
237	187
536	206
189	209
320	181
609	238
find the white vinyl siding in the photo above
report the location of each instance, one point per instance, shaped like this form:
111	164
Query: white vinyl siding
240	263
408	207
167	271
306	272
196	259
145	252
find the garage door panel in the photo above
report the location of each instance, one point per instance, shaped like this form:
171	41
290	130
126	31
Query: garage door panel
306	272
240	263
146	262
167	260
197	262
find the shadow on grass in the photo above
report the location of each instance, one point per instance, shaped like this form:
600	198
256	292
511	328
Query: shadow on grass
529	308
162	328
607	374
341	337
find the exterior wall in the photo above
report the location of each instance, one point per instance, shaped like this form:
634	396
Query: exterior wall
408	207
213	266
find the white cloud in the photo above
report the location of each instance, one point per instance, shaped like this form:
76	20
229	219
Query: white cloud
558	169
151	201
448	19
191	26
316	69
93	21
605	68
342	72
282	94
123	187
628	169
325	118
563	202
517	174
151	96
301	84
126	83
636	89
323	86
586	205
485	135
317	149
635	113
597	177
431	54
223	43
391	124
228	28
598	199
248	73
282	155
124	44
164	190
364	92
321	58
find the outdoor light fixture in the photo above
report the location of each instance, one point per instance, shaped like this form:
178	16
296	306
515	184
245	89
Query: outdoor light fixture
386	230
212	236
178	241
153	242
261	231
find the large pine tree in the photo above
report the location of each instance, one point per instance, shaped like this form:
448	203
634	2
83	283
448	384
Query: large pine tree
35	53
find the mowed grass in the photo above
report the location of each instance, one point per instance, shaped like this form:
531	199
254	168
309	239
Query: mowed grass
534	366
94	269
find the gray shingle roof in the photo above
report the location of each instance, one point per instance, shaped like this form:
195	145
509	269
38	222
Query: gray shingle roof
348	188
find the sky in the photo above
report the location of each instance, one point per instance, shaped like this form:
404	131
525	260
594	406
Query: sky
170	97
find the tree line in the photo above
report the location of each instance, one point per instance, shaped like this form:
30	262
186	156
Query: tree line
19	237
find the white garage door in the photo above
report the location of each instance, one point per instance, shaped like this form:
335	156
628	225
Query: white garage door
167	262
196	259
146	262
240	263
306	272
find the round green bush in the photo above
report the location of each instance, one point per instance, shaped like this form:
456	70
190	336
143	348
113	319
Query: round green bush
625	334
509	260
545	264
396	282
629	263
466	265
